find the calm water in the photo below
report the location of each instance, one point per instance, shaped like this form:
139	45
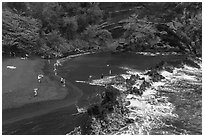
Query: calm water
56	117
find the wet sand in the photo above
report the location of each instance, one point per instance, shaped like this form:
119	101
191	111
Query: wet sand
18	101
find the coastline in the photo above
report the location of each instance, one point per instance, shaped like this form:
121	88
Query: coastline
147	113
37	68
52	95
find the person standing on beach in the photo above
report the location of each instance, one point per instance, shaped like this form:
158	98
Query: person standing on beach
49	59
55	71
35	92
40	76
64	83
62	80
58	63
110	71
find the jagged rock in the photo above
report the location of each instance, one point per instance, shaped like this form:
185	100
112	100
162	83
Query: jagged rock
132	79
136	91
160	65
129	120
155	75
118	80
145	84
190	62
93	110
142	78
126	103
111	93
162	100
169	69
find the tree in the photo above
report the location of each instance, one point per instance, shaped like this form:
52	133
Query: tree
174	24
96	36
140	32
19	32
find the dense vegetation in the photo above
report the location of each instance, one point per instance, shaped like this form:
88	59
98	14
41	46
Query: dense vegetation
60	28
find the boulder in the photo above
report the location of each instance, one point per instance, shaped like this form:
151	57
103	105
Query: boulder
154	75
136	91
132	79
118	80
129	120
94	110
126	103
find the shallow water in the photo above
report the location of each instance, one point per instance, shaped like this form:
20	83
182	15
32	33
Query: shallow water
60	120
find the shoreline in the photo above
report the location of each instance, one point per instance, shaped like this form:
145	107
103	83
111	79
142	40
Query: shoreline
149	111
59	100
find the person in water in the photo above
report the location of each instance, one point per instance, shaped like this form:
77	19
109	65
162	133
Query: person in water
110	72
102	75
90	76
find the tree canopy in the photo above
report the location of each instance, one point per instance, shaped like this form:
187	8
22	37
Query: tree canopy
63	26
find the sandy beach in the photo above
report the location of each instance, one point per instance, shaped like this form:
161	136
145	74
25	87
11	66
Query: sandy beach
18	83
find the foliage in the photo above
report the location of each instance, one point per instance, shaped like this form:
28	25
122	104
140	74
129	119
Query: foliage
168	25
140	32
19	32
96	36
62	23
173	24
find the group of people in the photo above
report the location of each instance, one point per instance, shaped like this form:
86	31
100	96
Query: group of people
40	76
56	65
62	80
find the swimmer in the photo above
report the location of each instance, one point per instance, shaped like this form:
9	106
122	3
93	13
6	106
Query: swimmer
102	75
90	76
110	72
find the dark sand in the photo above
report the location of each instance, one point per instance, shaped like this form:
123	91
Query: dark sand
18	84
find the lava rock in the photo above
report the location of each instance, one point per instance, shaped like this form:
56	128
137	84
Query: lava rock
126	103
136	91
93	110
132	79
169	69
145	84
155	75
118	80
129	120
190	62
